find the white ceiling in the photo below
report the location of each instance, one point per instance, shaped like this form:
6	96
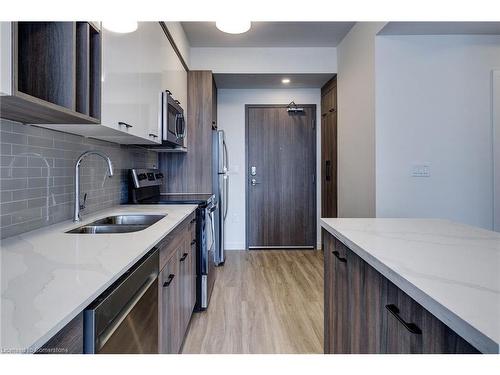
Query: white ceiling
269	34
270	81
441	28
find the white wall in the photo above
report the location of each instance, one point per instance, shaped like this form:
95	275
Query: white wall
265	60
496	149
231	118
356	121
434	107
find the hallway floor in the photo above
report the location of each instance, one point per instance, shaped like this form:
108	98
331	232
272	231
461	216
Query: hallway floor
264	301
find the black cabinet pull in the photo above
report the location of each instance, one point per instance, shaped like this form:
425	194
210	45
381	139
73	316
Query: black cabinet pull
153	135
125	124
192	221
411	327
337	255
178	102
184	256
169	280
328	170
193	242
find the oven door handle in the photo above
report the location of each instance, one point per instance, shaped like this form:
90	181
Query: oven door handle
108	332
212	224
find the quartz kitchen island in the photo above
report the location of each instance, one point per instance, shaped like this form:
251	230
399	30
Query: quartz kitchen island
49	276
452	270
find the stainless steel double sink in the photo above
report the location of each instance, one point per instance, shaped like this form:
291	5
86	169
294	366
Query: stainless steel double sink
118	224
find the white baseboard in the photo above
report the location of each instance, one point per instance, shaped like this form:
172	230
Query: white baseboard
235	246
241	246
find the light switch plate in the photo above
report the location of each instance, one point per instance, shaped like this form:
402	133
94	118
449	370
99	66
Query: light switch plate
421	170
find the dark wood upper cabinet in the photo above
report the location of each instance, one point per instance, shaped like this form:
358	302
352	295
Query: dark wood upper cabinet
191	172
55	73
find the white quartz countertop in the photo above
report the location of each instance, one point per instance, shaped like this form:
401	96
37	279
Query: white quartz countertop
451	269
49	276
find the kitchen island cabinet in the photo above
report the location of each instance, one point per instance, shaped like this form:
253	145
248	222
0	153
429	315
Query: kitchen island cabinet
382	297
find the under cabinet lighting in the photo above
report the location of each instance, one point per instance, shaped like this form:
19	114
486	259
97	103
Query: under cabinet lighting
233	26
120	26
285	80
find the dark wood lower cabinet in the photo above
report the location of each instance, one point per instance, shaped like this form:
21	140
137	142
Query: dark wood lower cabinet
337	339
366	313
412	329
365	300
69	340
177	287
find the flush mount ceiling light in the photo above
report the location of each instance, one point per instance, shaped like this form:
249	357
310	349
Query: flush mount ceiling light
120	26
233	26
285	80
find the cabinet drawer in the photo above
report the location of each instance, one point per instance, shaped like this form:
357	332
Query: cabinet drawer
411	329
169	306
173	240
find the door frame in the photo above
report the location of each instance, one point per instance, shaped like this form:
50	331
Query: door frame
314	150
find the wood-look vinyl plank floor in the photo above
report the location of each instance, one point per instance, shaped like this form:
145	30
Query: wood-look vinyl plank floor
264	301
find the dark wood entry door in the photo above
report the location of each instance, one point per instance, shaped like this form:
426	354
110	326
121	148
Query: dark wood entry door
281	177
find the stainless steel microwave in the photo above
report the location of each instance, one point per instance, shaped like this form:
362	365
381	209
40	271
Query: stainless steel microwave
173	122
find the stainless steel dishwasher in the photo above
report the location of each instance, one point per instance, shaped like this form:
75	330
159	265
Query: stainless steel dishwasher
124	319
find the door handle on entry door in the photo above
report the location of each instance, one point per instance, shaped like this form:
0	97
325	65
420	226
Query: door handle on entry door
254	182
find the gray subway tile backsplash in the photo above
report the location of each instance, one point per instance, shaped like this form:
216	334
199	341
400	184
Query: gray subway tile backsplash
37	175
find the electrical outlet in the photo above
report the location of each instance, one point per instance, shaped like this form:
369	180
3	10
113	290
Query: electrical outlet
421	170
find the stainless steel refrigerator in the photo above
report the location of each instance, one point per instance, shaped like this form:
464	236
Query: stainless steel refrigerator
221	190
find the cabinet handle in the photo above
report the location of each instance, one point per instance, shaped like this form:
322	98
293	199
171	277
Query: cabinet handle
153	135
192	221
178	102
184	256
193	242
125	124
411	327
328	170
337	255
169	280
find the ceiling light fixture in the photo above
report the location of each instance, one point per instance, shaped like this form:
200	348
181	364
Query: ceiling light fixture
233	26
285	80
120	26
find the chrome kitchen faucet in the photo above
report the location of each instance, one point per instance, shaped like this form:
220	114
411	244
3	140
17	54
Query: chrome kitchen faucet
76	215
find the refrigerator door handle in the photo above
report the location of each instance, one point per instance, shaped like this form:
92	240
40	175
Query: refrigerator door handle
226	194
226	158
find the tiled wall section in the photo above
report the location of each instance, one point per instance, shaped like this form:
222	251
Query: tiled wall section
37	175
